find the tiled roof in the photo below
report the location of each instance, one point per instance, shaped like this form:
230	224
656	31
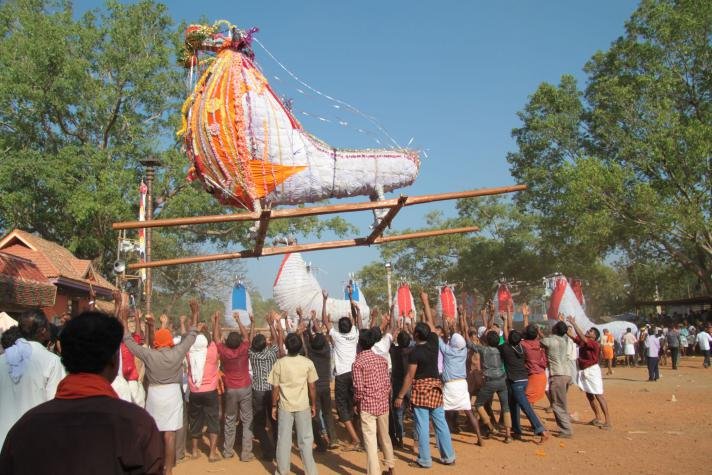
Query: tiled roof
22	282
52	259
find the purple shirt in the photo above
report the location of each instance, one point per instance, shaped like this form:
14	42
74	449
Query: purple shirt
653	345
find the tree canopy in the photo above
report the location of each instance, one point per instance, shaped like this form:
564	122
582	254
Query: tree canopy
623	168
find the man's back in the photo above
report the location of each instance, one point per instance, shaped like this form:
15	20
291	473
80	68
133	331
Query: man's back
38	383
556	352
88	435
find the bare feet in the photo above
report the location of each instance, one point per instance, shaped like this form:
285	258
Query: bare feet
543	437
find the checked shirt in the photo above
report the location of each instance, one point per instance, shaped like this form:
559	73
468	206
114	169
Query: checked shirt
372	383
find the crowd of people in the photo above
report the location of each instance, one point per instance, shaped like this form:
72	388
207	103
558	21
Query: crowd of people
145	396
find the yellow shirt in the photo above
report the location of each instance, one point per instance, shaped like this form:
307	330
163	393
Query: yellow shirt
292	374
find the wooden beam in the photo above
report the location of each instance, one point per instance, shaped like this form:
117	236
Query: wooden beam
317	210
316	246
386	221
262	231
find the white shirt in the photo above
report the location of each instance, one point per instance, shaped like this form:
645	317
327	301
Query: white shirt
703	340
38	384
344	349
383	348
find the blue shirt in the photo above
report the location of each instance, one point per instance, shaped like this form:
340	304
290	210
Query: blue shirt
453	362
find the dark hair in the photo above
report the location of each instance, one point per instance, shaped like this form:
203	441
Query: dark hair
492	338
627	330
421	331
560	328
31	324
89	342
366	339
377	334
598	333
293	344
234	340
9	337
318	342
403	339
345	325
259	342
514	338
531	332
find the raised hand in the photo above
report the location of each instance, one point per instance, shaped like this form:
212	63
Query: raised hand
164	320
194	307
324	294
149	319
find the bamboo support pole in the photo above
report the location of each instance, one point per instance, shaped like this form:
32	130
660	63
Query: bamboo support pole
386	221
317	246
318	210
262	231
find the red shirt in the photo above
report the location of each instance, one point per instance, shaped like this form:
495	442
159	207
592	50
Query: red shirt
588	352
372	385
235	365
535	356
128	364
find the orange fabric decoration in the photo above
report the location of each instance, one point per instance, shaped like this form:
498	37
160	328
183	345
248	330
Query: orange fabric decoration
83	385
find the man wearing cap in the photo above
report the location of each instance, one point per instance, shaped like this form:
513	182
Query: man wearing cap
164	400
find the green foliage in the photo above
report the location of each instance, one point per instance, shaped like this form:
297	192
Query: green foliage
81	101
624	167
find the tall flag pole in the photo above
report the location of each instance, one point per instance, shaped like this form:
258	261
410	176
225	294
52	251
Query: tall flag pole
143	190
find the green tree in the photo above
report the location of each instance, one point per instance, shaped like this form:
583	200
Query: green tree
81	102
624	168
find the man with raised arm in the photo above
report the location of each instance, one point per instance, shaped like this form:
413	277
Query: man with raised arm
456	396
262	357
556	346
294	403
164	366
319	353
589	377
426	395
234	359
372	390
344	340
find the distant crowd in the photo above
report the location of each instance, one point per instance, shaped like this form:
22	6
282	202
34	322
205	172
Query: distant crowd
131	394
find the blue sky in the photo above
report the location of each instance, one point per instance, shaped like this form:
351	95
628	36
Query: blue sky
451	75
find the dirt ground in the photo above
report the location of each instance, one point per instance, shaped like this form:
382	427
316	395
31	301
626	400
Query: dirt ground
660	427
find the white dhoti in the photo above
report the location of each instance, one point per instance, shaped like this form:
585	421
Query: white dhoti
138	395
165	404
121	387
456	397
629	349
590	380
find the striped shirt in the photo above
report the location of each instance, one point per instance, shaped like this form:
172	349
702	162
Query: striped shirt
262	362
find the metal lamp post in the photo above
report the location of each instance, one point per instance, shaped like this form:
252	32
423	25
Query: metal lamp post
390	294
150	164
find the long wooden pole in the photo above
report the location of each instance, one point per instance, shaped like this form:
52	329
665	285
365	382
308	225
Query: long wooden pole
318	210
317	246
